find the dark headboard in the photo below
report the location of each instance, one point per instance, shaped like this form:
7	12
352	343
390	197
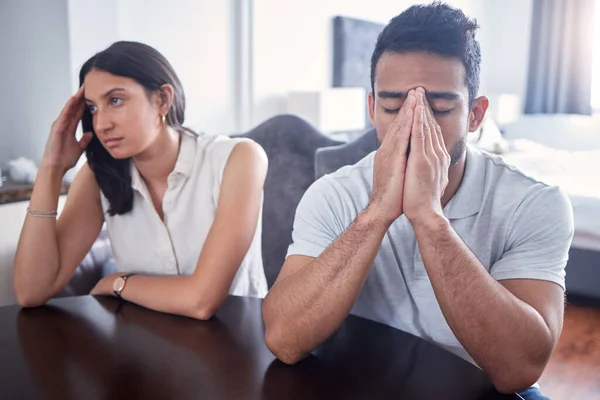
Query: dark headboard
353	44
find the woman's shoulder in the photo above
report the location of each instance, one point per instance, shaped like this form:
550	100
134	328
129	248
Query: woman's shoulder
220	143
219	148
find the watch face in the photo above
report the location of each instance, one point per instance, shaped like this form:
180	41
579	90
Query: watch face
118	284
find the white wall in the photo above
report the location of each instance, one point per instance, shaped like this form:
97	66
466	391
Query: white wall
596	61
292	43
34	74
197	38
506	58
47	41
92	27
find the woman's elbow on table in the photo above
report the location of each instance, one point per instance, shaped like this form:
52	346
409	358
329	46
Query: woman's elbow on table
29	299
205	308
203	313
26	295
200	310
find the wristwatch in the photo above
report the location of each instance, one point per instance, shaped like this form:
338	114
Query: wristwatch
119	284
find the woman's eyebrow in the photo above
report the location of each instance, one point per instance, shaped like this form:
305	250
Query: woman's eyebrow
111	91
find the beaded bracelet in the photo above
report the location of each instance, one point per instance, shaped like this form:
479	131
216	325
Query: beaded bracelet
42	214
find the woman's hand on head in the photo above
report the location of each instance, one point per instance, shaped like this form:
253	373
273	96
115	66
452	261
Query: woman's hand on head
62	148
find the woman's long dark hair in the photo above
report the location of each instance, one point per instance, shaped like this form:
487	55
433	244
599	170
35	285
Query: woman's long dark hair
150	69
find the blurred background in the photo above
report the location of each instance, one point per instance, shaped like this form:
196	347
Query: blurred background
241	60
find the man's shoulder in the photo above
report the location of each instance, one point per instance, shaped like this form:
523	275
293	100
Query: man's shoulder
498	169
507	187
345	191
357	177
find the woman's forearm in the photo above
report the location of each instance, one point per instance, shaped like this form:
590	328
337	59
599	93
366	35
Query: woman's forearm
37	259
173	294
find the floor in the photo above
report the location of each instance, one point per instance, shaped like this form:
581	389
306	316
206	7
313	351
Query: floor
574	370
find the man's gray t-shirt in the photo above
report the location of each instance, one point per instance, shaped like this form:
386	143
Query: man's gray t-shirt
518	227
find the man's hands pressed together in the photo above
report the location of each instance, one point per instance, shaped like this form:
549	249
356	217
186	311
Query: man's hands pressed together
410	182
389	166
427	167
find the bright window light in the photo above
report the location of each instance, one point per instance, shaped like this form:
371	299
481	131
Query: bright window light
596	65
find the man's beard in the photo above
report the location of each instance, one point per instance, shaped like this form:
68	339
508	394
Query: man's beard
457	152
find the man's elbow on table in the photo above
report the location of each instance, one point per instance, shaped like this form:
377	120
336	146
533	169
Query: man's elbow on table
525	368
280	347
277	339
516	379
278	336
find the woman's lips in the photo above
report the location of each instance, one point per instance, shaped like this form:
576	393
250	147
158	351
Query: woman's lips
112	142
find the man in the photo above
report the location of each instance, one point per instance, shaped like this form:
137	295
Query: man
426	234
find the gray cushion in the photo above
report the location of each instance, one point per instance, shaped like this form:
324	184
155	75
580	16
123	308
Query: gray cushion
96	264
290	144
330	159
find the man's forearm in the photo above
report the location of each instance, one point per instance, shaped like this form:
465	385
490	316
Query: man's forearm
502	333
303	310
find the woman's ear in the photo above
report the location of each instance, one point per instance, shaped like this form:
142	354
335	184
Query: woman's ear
167	94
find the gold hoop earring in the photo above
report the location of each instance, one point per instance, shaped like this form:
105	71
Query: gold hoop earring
164	118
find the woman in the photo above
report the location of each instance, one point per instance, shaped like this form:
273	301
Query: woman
183	212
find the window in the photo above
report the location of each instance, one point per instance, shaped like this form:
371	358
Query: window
596	62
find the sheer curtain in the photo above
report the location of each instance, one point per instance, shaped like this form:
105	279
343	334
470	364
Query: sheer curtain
560	64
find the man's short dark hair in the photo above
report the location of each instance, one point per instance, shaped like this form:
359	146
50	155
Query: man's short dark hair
437	29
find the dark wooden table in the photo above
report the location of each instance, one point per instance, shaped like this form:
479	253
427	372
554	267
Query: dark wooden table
100	348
